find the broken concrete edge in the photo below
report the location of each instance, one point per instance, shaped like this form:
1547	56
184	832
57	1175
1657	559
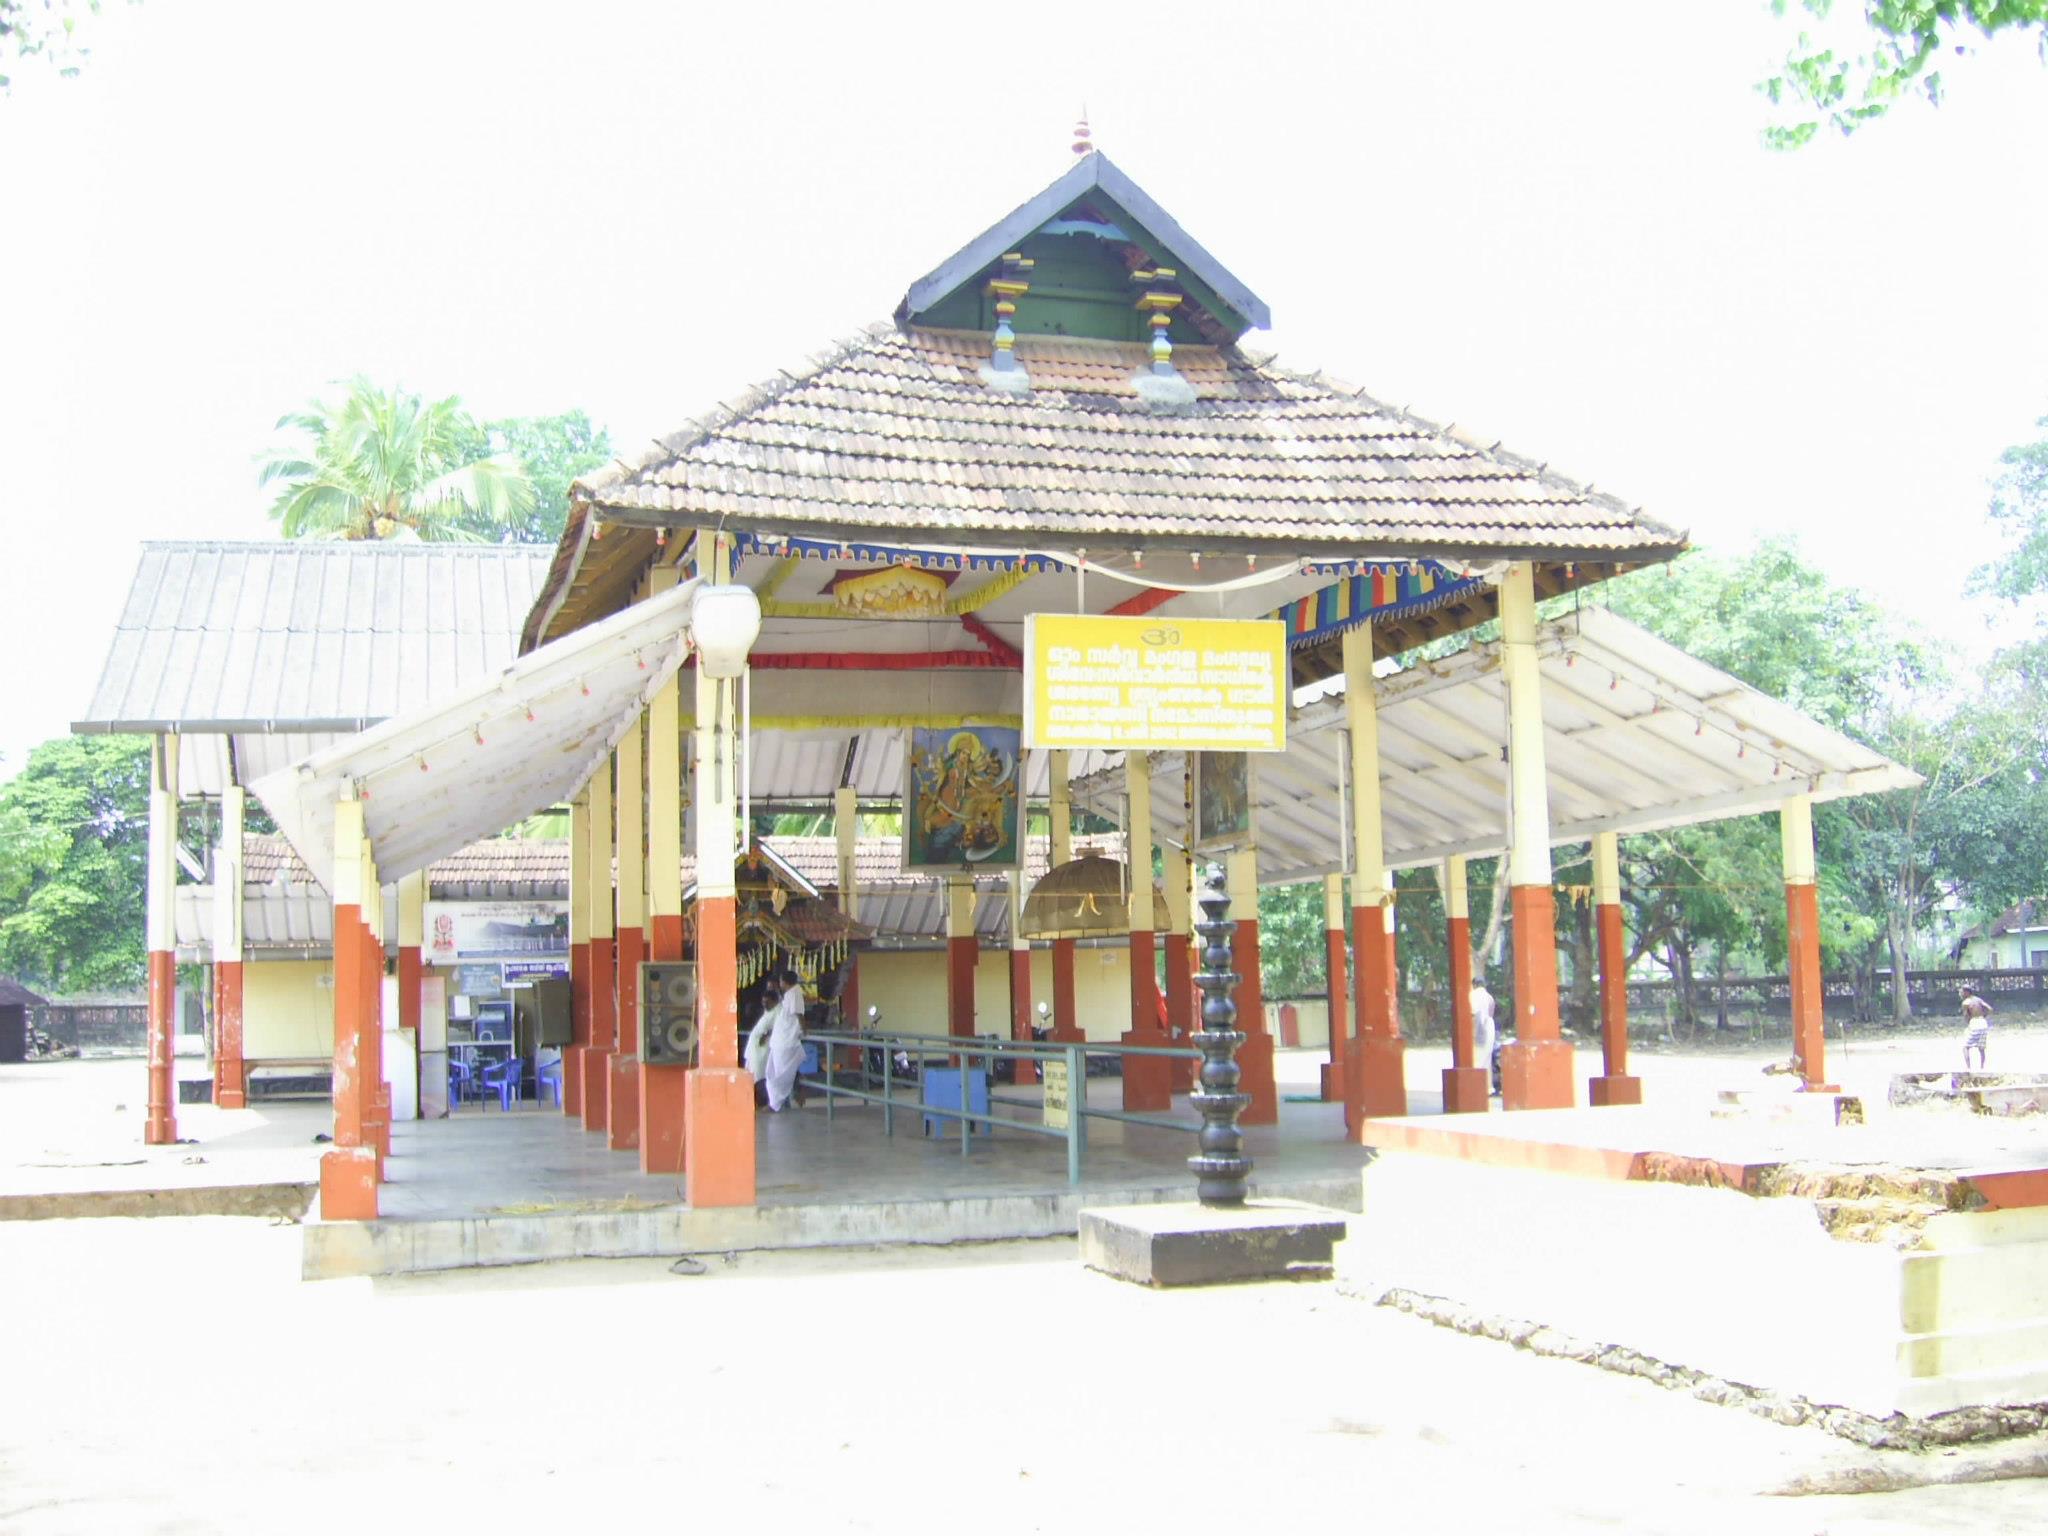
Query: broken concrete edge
391	1246
282	1201
1180	1242
1893	1432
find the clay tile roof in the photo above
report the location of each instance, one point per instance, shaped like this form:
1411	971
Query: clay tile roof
14	995
893	431
507	869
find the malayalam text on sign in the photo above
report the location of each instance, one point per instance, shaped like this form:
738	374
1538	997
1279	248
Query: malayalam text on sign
1147	684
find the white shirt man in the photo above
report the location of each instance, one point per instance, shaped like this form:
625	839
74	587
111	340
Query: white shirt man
1482	1026
775	1046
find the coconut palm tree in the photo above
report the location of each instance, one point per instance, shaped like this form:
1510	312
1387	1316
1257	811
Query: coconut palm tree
385	464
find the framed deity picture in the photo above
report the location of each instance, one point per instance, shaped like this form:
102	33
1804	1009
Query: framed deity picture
963	799
1222	800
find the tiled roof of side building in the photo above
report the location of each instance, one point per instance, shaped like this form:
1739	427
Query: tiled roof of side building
308	636
893	431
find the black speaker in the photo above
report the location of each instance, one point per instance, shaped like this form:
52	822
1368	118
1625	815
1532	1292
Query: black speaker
547	1002
668	1012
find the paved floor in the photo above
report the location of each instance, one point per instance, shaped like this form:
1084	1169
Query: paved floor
177	1380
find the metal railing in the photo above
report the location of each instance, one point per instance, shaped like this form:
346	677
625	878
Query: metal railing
988	1049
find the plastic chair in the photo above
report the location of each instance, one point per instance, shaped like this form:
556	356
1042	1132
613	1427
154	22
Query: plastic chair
505	1078
549	1080
461	1083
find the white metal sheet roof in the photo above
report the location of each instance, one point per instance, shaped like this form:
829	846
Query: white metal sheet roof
1637	736
489	754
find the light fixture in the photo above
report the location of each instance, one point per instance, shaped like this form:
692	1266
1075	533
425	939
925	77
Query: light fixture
724	623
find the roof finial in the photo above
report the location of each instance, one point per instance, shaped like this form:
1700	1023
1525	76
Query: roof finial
1081	135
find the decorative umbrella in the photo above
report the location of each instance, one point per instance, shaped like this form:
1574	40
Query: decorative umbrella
1084	897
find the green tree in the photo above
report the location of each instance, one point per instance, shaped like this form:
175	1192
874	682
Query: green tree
553	450
45	30
75	822
1855	72
380	464
2019	511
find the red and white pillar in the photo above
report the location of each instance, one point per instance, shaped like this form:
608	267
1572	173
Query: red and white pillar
1802	942
1613	1085
1020	980
604	979
412	935
579	955
1468	1081
1065	1021
1177	879
1255	1056
846	834
622	1090
230	1071
1536	1071
350	1169
1336	986
661	1086
1377	1057
1148	1086
963	954
161	1127
718	1094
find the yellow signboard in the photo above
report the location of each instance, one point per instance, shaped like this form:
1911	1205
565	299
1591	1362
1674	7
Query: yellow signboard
1198	685
1054	1075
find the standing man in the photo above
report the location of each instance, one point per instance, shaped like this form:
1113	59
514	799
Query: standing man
1483	1030
1976	1027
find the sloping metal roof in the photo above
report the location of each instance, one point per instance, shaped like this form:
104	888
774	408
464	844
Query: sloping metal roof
303	637
1637	736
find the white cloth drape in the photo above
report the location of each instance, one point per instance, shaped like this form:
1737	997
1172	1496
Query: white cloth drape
775	1047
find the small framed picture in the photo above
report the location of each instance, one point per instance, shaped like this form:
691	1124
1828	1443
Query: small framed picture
1223	801
963	800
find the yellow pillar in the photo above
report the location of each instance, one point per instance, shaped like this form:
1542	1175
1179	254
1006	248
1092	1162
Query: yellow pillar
604	993
1376	1080
622	1095
1020	979
661	1087
1066	1024
1536	1071
1147	1084
160	1128
846	837
718	1094
1255	1056
580	981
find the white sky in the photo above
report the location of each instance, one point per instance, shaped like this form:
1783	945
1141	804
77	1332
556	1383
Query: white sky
1552	223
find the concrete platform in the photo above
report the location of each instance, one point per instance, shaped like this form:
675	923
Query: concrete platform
1183	1242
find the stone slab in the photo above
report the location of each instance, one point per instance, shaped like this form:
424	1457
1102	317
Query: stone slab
1184	1243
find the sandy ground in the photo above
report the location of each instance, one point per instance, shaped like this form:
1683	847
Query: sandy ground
173	1376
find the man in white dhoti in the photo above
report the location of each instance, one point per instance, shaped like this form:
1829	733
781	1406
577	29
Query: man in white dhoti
1483	1031
775	1045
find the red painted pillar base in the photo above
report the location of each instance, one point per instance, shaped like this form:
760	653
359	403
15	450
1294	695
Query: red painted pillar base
1180	1011
1467	1090
1338	989
1802	945
160	1129
1536	1071
1602	1091
963	954
348	1184
230	1072
579	1030
1255	1056
622	1087
1379	1072
597	1060
662	1118
718	1134
1020	1013
1065	1014
1148	1088
1376	1057
1255	1078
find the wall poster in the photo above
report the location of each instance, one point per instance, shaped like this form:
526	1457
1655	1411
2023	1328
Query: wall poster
963	799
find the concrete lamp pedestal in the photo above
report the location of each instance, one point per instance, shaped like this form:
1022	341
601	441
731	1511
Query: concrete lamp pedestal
1183	1243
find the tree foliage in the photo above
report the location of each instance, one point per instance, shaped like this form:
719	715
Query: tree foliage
74	835
1848	74
381	464
553	450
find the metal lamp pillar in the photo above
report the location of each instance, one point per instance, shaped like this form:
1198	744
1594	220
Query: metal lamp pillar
661	1086
1020	980
1535	1071
1802	941
230	1071
1220	1168
161	1127
1065	1025
1181	1022
1255	1056
1336	985
622	1097
1376	1066
1147	1086
718	1093
349	1169
604	992
579	955
1613	1085
1468	1081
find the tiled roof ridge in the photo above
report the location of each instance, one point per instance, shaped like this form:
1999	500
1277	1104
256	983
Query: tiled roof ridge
383	547
726	413
1493	449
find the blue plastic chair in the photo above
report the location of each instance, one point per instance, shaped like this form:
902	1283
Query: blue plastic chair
505	1078
461	1083
548	1081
